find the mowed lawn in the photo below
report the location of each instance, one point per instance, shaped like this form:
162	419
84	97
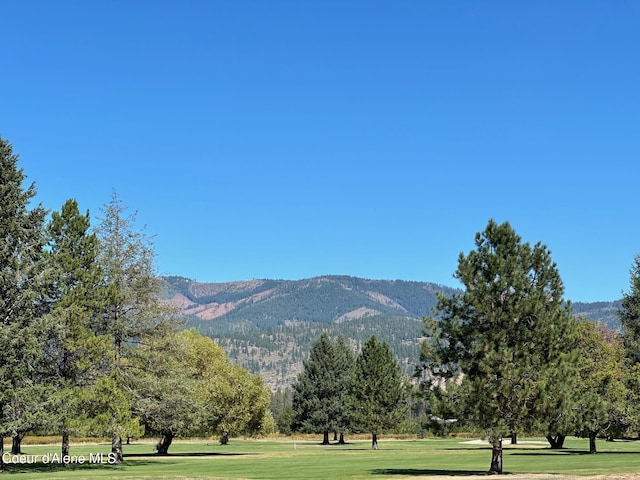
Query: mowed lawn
306	459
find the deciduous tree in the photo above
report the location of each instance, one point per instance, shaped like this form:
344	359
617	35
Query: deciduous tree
165	389
601	391
232	400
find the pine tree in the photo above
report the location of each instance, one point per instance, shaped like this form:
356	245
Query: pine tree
319	394
629	314
22	300
507	337
345	358
76	292
378	395
281	407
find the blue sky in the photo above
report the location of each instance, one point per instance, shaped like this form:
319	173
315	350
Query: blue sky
289	139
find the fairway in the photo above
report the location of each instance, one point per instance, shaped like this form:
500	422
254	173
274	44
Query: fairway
306	459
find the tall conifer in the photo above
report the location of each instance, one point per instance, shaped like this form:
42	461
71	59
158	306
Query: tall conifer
507	337
319	394
378	396
76	292
629	314
133	313
22	302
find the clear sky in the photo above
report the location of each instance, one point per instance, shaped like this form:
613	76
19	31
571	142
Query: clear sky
290	139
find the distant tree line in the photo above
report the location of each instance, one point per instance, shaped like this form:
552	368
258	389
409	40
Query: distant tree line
277	352
87	346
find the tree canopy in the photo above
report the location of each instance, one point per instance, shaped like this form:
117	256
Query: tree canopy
505	338
629	314
378	394
319	394
22	298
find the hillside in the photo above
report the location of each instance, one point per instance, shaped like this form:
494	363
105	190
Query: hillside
268	325
605	313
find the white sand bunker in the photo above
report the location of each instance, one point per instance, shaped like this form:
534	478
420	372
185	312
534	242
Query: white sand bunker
505	443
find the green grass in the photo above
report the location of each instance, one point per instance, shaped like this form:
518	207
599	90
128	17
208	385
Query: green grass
396	459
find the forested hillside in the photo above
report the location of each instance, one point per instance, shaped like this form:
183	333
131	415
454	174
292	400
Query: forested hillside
268	325
605	313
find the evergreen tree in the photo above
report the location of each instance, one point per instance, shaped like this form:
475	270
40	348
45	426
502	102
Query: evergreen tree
629	314
507	337
378	395
319	394
22	301
133	314
345	359
74	353
281	407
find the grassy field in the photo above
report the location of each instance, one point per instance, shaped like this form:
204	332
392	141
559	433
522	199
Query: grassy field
306	459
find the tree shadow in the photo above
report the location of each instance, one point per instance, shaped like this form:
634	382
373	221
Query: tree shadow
570	452
48	468
426	472
467	449
139	459
368	449
187	454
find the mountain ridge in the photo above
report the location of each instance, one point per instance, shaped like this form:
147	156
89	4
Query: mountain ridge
300	299
268	325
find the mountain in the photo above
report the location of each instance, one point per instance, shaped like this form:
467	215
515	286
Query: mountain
605	313
268	325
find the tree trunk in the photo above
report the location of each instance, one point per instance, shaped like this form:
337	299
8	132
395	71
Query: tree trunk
164	444
556	442
514	437
16	442
341	441
592	443
335	436
325	437
64	450
1	452
224	438
116	448
374	440
496	457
